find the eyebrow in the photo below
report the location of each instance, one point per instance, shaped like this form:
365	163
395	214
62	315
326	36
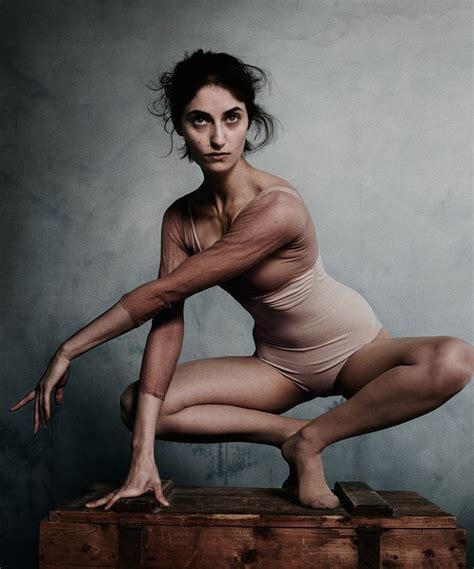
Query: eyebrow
197	111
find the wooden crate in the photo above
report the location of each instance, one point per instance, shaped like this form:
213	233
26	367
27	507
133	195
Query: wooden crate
233	528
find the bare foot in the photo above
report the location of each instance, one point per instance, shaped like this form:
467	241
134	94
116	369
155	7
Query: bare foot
305	457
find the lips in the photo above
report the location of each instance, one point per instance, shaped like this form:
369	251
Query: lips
218	154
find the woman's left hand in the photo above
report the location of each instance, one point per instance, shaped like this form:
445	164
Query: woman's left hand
142	476
55	377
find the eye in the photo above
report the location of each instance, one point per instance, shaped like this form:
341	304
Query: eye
234	116
197	121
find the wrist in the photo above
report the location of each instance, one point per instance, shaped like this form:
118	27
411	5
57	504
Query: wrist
142	448
63	352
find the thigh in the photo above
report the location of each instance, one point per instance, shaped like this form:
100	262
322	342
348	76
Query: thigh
377	357
243	381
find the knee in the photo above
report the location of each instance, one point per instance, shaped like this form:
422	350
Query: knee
128	402
451	365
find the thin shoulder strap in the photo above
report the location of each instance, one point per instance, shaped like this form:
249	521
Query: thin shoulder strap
286	189
191	220
264	191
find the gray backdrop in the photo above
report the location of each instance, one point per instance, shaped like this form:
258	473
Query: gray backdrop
375	101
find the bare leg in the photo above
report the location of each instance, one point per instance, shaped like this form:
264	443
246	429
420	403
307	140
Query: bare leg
236	398
224	423
387	382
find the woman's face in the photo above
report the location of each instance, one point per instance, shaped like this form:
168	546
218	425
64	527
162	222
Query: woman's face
214	121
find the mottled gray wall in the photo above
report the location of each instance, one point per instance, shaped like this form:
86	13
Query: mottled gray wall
375	101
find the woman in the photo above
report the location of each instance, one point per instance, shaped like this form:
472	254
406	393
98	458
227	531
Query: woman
250	232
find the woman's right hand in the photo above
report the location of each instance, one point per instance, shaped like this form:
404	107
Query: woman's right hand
143	477
55	377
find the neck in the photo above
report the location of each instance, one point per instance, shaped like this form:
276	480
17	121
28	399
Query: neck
230	186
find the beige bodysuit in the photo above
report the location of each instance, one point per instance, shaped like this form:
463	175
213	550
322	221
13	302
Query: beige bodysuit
307	324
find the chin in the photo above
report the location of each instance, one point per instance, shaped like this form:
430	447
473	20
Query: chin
218	165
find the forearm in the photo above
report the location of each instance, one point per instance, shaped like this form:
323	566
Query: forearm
112	323
144	430
160	358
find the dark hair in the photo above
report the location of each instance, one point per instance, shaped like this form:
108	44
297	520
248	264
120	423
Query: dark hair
201	68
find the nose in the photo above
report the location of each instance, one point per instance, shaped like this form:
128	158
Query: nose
217	137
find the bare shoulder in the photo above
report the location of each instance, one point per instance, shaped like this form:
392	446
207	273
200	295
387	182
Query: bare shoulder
267	179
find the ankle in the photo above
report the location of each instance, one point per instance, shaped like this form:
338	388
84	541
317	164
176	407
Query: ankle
294	429
310	438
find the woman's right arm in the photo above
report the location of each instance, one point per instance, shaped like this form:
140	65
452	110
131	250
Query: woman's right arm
162	350
164	342
160	357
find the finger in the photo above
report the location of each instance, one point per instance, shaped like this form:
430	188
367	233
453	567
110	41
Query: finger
100	501
39	409
59	395
97	503
124	492
46	405
36	422
41	414
59	391
26	399
117	496
65	378
160	496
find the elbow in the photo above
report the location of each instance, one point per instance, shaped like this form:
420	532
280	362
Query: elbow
141	305
127	302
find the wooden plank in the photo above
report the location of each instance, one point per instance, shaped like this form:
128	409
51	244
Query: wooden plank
368	547
216	548
359	499
443	549
196	547
259	506
82	544
130	546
